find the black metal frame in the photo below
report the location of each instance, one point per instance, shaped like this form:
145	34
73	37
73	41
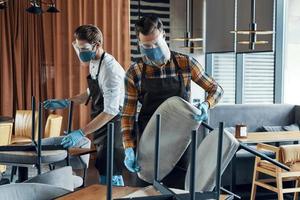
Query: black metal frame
37	146
168	193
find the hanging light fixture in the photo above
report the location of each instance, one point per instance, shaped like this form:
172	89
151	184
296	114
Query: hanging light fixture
52	7
189	40
252	32
36	7
3	4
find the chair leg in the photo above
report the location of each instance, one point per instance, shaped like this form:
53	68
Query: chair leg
279	187
13	172
297	185
84	176
255	177
254	186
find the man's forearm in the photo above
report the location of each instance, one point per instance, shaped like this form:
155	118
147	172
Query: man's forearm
97	123
80	98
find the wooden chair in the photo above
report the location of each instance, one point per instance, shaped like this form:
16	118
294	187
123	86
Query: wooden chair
289	155
23	126
5	138
53	126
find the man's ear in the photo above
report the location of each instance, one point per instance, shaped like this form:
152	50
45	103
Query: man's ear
164	34
98	44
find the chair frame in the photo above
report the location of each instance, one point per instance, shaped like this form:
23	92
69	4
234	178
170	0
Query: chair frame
279	175
37	146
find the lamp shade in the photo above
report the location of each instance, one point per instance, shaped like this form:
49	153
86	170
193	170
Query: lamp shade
52	9
2	5
34	9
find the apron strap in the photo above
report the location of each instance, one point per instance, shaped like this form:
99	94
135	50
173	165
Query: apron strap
101	59
178	70
97	75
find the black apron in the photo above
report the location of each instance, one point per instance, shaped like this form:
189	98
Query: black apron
154	92
100	136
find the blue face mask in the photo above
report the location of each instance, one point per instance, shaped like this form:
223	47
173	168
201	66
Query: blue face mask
87	56
154	54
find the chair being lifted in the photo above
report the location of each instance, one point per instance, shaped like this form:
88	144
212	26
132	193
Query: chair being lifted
205	187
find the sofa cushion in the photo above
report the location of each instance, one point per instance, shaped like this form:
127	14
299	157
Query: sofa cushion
230	129
272	128
245	154
292	127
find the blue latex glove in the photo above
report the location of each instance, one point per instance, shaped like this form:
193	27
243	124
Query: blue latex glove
130	161
54	104
203	107
117	180
72	138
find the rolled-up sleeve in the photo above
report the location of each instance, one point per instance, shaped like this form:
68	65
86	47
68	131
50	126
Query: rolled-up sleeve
113	88
213	89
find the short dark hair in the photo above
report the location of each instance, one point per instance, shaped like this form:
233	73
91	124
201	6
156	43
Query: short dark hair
90	33
148	24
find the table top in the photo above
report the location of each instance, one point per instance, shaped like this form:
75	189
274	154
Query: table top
6	119
281	136
99	192
81	151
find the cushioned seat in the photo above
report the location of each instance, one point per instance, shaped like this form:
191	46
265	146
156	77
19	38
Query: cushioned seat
77	181
30	191
176	127
49	185
22	157
20	139
206	160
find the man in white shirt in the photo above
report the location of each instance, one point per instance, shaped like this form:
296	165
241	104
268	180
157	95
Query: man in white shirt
106	92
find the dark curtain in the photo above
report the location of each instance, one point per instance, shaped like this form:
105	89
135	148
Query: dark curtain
37	58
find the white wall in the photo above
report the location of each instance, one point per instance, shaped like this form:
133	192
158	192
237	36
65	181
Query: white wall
292	53
178	29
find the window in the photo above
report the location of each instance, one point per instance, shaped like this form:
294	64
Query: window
224	73
259	78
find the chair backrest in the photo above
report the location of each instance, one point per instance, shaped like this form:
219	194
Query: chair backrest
53	126
206	160
23	123
290	154
5	137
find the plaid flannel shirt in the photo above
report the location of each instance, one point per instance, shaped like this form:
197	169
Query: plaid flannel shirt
191	71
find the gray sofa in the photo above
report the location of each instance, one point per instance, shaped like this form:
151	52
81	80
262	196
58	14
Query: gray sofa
255	117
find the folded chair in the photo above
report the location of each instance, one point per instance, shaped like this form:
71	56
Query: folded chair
288	155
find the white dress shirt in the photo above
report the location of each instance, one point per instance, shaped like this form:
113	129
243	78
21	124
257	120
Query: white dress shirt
111	82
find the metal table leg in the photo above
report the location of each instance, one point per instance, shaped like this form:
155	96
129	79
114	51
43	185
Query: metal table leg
22	174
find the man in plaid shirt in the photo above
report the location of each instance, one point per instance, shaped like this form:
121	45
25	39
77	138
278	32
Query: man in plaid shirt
157	76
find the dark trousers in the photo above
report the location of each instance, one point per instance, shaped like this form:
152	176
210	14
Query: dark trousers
100	141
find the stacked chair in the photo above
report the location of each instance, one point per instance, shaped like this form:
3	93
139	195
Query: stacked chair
43	152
